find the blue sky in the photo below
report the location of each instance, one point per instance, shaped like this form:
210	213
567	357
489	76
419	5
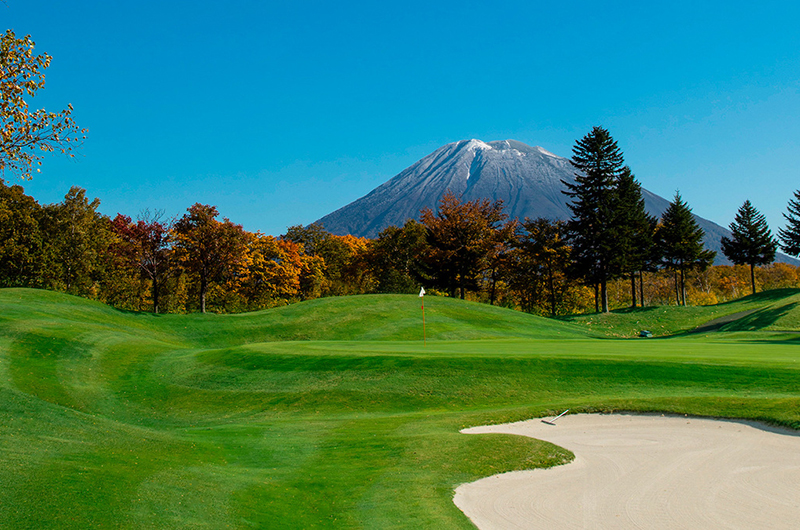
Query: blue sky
281	112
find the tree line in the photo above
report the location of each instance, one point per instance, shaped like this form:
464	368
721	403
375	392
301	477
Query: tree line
199	262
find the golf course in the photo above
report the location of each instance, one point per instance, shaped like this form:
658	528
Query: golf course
335	413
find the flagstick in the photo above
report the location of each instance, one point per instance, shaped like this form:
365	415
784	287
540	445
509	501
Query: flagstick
422	299
424	340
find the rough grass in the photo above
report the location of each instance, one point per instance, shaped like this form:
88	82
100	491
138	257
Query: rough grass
334	413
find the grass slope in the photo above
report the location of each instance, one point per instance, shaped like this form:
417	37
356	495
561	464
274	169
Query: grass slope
333	413
775	310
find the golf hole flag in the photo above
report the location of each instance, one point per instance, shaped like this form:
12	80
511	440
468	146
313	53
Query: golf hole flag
422	299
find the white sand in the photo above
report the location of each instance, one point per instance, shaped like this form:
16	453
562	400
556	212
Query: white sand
645	472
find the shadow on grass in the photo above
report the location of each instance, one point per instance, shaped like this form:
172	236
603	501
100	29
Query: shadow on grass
758	320
766	296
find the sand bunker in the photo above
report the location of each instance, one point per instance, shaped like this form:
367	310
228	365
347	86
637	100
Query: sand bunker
645	472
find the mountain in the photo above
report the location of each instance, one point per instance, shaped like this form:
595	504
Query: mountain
527	179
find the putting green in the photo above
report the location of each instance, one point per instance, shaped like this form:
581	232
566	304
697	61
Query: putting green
333	413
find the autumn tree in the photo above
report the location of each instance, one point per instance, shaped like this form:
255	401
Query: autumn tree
462	239
343	257
147	245
25	134
790	236
681	244
751	242
537	269
209	248
599	162
273	272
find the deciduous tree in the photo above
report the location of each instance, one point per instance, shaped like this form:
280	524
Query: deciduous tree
147	245
462	238
76	238
20	238
26	134
393	258
539	264
751	242
209	248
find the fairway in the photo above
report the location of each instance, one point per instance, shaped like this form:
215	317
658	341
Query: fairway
333	413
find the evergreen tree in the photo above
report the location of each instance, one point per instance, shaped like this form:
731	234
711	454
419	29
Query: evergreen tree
752	242
633	227
681	244
599	162
790	236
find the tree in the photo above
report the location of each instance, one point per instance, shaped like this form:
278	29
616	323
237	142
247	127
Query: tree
539	267
790	236
25	134
273	273
208	248
342	257
76	239
681	244
147	244
393	256
594	241
752	242
21	239
462	239
633	229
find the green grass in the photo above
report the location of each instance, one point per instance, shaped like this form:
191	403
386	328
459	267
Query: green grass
334	413
771	311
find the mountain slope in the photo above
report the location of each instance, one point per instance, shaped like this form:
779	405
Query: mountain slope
527	179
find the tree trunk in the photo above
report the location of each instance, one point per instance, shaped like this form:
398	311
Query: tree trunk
641	288
677	289
155	297
203	288
494	284
633	290
753	277
604	295
683	289
552	292
596	299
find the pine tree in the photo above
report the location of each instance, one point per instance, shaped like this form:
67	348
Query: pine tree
633	227
790	236
681	244
752	242
599	162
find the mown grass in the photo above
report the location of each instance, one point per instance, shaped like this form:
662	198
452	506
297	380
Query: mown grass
334	413
770	311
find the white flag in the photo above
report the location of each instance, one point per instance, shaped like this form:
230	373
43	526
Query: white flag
421	292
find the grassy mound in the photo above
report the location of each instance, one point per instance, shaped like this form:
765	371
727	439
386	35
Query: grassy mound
777	310
332	413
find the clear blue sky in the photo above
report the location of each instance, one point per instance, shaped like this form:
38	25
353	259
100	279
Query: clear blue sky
281	112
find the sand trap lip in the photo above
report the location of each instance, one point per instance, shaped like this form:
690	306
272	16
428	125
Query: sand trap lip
645	471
